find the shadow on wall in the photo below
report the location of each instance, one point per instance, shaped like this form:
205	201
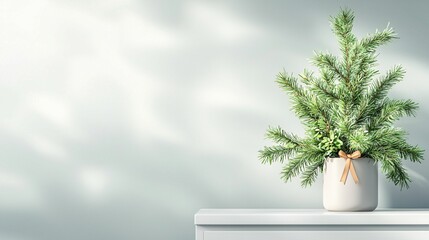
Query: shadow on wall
417	196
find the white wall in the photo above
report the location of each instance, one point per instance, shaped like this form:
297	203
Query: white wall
120	119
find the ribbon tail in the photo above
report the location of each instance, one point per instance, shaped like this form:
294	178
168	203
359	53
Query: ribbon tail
346	171
353	172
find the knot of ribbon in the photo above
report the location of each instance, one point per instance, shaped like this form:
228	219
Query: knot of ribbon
349	165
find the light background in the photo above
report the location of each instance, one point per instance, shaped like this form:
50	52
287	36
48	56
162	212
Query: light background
120	119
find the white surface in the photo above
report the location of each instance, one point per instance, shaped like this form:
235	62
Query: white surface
362	196
310	216
296	224
314	235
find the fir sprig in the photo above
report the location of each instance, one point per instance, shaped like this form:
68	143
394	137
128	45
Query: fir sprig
345	107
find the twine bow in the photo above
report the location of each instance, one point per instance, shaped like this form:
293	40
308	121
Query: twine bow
349	165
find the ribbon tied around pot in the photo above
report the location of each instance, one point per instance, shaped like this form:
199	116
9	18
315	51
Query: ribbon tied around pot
349	165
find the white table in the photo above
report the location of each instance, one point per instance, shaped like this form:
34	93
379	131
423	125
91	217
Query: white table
311	224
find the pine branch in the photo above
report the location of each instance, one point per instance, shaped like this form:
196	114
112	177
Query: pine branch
294	167
395	138
328	77
330	62
399	176
377	39
323	110
310	174
298	95
305	104
307	77
290	84
343	118
362	112
342	26
389	111
379	89
391	165
377	93
303	160
361	71
409	152
278	135
322	88
276	154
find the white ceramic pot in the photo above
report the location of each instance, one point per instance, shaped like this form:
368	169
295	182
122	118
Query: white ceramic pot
351	196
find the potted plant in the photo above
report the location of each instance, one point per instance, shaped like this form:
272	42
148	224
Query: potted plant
349	122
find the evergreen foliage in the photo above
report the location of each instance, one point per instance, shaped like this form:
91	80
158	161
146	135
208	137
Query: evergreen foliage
345	107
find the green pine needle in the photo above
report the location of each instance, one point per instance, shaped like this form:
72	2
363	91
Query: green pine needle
345	106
